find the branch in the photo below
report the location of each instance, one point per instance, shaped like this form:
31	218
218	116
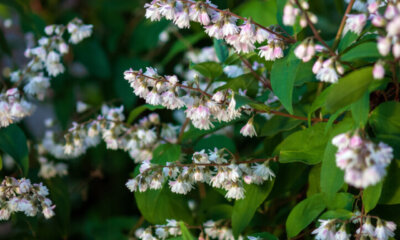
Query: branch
287	39
342	23
314	30
261	78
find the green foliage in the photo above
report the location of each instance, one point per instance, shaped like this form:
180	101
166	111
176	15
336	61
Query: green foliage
304	213
349	89
13	142
285	73
244	209
371	196
295	149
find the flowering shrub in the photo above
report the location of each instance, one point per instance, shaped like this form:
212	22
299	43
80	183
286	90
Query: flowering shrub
276	120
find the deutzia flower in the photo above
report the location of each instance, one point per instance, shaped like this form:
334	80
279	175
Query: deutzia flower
384	230
235	192
248	130
325	231
327	72
355	23
233	71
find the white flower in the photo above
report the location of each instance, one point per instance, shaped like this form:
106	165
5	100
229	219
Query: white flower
355	23
384	229
326	231
367	229
79	31
174	228
235	192
179	186
379	70
248	130
161	233
262	171
132	185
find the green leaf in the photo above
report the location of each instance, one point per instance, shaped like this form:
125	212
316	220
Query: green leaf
244	82
221	50
349	89
243	100
391	192
244	209
313	180
156	206
347	40
342	214
13	142
360	110
304	213
215	141
341	200
295	149
332	177
137	111
385	119
363	50
371	196
263	12
186	235
279	124
166	153
93	56
285	73
209	70
59	194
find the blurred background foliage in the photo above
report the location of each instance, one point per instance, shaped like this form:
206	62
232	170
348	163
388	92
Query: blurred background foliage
92	201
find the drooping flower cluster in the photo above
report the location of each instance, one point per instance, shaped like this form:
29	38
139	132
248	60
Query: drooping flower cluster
13	107
213	169
46	57
363	161
328	70
336	229
19	195
49	169
167	91
139	139
293	13
218	24
209	230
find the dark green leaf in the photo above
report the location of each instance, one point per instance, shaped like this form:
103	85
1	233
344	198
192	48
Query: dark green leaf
243	82
304	213
279	124
285	73
244	209
347	40
264	235
156	206
221	50
263	12
349	89
243	100
137	111
166	153
13	142
390	191
182	45
332	177
385	119
215	141
209	70
371	196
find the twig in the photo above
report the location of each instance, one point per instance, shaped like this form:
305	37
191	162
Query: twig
183	130
261	78
314	30
342	23
287	39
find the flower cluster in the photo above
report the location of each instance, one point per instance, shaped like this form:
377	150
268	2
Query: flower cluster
328	70
138	139
13	107
22	196
49	169
328	229
167	91
46	57
209	230
219	24
213	169
297	10
363	161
